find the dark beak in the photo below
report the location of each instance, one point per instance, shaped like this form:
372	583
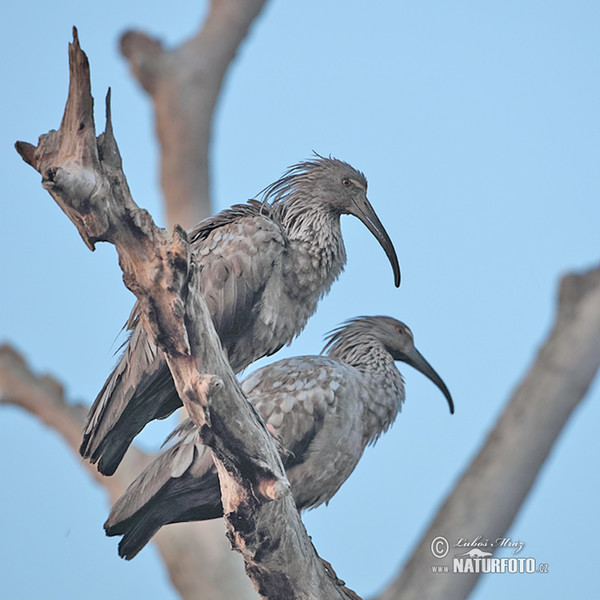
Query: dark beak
415	359
365	212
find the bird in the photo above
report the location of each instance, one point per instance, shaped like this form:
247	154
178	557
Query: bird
264	266
323	411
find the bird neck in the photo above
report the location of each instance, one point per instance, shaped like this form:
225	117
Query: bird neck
317	253
364	354
302	215
387	393
380	377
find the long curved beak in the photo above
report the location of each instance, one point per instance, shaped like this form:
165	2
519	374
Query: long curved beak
366	213
415	359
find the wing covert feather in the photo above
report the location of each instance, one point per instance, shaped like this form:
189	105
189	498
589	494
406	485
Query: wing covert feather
293	397
237	258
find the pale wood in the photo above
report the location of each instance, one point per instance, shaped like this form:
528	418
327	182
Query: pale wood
177	544
184	84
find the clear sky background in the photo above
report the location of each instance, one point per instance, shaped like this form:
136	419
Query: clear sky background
477	125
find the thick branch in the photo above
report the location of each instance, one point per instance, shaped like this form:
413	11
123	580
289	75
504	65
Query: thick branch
83	174
184	84
488	496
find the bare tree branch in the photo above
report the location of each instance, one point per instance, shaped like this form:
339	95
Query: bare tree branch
43	396
84	176
197	555
184	84
488	496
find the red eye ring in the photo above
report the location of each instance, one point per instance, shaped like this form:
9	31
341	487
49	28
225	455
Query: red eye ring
404	330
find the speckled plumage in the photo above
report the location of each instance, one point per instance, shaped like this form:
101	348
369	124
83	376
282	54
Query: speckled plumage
264	267
322	410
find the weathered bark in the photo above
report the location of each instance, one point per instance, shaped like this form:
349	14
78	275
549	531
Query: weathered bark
184	84
83	175
488	496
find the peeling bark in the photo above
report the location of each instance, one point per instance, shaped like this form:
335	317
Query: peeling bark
488	496
197	556
83	175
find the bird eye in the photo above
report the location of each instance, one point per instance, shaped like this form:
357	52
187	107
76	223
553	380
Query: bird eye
404	331
346	182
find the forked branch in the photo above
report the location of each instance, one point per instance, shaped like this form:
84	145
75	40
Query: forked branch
84	176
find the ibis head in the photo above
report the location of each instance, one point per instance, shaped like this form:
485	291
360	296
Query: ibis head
342	188
396	338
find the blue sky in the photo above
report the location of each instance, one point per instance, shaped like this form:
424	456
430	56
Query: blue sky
477	125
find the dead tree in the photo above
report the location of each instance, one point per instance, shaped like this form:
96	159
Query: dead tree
184	84
557	381
84	176
488	496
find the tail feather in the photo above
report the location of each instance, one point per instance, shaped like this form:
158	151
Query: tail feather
157	497
139	390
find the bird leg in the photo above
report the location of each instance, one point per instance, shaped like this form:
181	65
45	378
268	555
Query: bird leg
333	575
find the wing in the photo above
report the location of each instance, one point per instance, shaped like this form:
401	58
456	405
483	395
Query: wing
316	408
238	251
298	398
181	484
139	389
293	396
